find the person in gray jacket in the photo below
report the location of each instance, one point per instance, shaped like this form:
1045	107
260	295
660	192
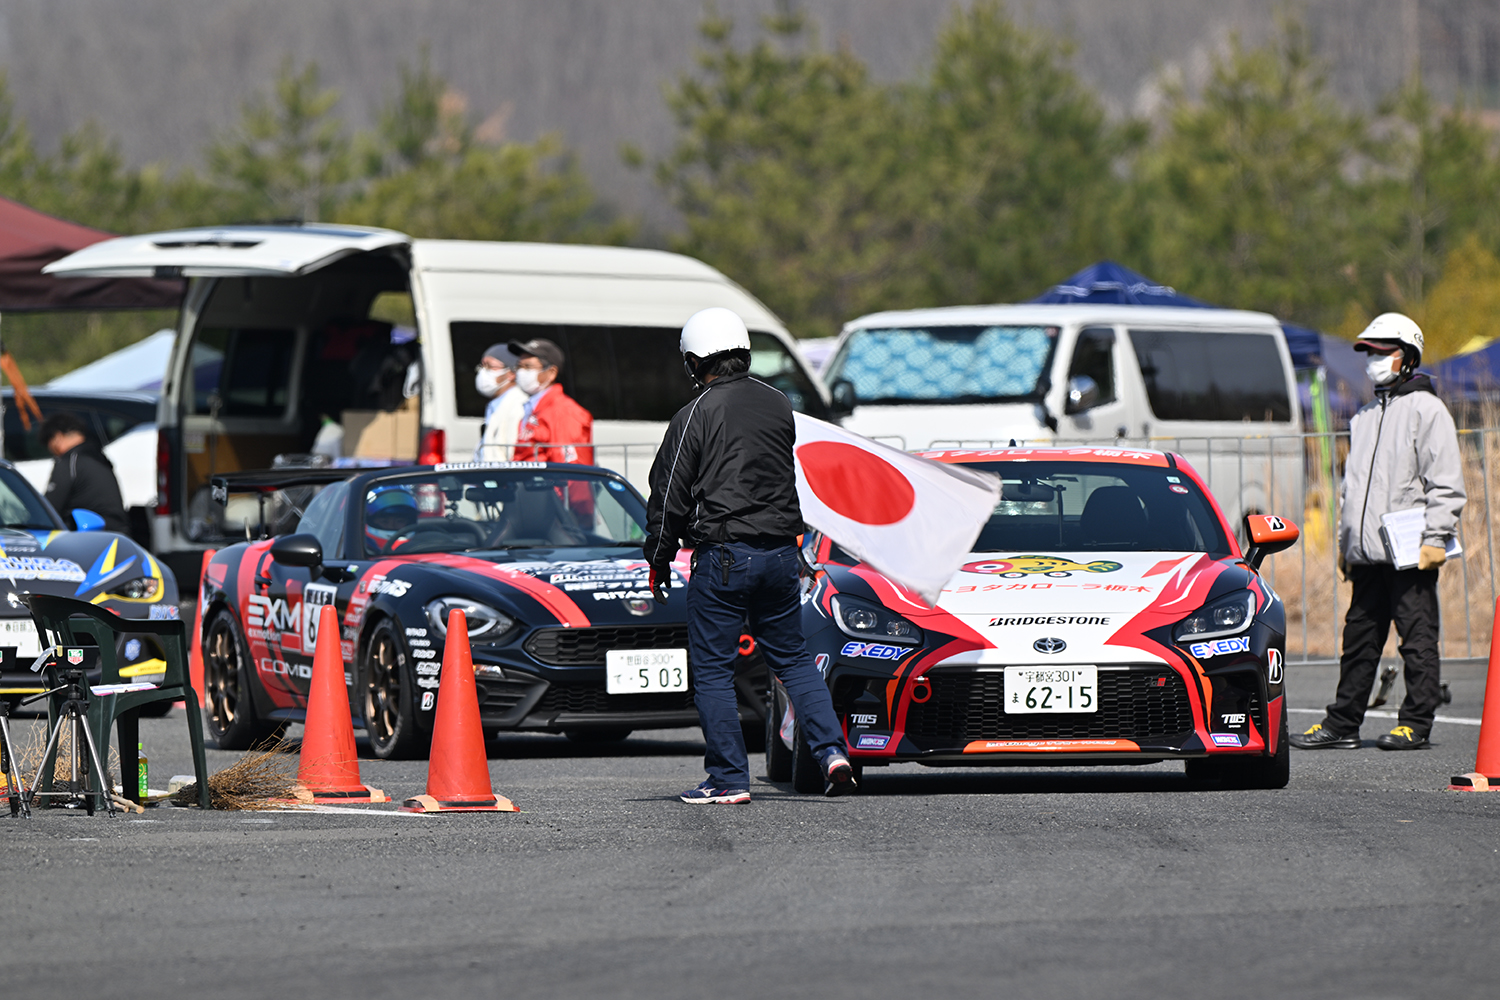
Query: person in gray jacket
1403	454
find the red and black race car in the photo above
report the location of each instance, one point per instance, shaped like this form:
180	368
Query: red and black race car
544	560
1107	615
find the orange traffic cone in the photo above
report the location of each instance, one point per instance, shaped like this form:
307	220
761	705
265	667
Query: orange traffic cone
329	768
1486	774
195	644
458	773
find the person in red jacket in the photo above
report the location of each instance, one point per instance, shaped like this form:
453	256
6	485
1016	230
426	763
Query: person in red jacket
554	428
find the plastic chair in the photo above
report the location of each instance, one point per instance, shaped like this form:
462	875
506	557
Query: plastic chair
63	621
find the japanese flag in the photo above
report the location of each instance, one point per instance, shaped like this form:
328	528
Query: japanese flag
911	518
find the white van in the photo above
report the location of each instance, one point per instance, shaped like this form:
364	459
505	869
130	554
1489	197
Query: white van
288	328
1215	385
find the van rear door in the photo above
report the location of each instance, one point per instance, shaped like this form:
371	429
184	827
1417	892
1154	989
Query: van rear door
224	252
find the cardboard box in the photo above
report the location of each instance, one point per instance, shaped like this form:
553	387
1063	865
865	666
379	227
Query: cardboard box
378	434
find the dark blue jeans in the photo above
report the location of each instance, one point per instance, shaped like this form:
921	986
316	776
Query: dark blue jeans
761	587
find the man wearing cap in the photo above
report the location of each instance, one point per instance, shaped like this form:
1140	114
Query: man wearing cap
1403	454
495	378
553	427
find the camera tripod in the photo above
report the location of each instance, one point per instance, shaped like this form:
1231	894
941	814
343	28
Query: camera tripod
10	769
73	716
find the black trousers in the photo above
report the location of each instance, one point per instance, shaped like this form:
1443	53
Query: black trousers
1384	595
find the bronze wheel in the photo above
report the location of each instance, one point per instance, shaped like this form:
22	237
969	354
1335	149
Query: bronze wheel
230	715
387	701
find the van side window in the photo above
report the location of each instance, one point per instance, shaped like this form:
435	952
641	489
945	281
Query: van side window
1093	356
1212	375
324	518
249	372
620	372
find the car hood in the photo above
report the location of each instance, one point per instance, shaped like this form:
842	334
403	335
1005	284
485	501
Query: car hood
1098	603
87	565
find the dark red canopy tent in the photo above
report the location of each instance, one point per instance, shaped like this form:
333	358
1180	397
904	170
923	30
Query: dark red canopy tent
30	240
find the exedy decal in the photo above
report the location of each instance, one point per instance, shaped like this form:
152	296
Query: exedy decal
1055	566
1220	647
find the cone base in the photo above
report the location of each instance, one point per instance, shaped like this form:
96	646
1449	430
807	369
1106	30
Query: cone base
428	804
360	793
1474	782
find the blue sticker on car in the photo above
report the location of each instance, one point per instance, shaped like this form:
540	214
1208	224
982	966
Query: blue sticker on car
1220	647
1227	740
872	650
872	742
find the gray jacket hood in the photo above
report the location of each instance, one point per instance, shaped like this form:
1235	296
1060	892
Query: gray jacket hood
1403	453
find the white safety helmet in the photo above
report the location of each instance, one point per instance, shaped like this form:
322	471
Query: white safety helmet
1388	327
712	331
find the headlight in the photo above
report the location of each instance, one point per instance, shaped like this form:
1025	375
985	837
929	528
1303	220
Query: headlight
142	588
869	621
1224	617
484	621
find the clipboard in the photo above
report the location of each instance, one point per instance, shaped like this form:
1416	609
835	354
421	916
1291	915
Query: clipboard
1401	531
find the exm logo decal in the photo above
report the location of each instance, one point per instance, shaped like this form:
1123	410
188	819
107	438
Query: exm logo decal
300	618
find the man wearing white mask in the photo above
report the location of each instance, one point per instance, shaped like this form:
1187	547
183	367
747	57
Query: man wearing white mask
1403	454
495	378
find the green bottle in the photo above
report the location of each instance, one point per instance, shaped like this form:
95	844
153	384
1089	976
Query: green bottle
140	754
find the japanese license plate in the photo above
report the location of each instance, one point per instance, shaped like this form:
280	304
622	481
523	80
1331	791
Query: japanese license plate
645	671
1048	690
21	633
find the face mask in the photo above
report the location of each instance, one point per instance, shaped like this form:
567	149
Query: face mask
530	380
487	381
1383	368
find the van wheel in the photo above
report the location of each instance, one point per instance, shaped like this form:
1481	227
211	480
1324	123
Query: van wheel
230	716
386	697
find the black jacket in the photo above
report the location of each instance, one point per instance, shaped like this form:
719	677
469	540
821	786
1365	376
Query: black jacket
724	472
85	478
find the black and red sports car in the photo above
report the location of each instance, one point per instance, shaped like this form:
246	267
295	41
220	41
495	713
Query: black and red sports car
1107	615
544	560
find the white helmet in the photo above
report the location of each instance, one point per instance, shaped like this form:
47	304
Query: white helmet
1394	327
712	331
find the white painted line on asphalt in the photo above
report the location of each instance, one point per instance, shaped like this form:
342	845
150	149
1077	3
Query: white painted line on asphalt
1393	715
349	811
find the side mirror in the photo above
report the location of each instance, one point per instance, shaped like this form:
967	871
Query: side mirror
299	550
1083	394
86	520
843	400
1268	534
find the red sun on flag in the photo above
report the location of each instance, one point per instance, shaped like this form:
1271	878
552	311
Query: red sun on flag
856	483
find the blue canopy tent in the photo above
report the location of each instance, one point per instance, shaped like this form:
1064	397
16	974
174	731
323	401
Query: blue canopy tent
1343	386
1471	377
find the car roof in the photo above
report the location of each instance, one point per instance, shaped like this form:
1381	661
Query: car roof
1112	456
1050	314
148	396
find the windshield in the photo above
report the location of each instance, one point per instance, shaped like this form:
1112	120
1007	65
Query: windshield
494	509
20	507
945	364
1098	507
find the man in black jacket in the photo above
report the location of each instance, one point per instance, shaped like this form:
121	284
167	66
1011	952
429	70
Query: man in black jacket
82	477
724	484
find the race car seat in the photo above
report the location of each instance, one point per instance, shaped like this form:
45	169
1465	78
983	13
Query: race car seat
538	517
1113	517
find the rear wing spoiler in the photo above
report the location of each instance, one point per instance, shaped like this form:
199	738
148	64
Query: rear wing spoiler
271	480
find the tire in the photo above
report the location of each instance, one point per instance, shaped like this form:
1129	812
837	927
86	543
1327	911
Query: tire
593	736
778	757
1248	772
387	696
807	773
230	717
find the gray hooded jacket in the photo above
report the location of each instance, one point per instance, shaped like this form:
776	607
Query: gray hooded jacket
1403	453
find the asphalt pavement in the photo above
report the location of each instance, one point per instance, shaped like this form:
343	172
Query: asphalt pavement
1365	878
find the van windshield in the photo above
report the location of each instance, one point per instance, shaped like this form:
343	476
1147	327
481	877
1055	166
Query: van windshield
945	364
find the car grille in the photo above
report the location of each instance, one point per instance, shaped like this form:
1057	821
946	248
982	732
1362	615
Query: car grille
585	647
968	706
592	698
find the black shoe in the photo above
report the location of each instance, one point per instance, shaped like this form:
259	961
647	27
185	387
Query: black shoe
1402	738
838	776
1318	738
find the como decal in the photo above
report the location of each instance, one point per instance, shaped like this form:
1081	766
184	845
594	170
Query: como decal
1055	566
1220	647
872	650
